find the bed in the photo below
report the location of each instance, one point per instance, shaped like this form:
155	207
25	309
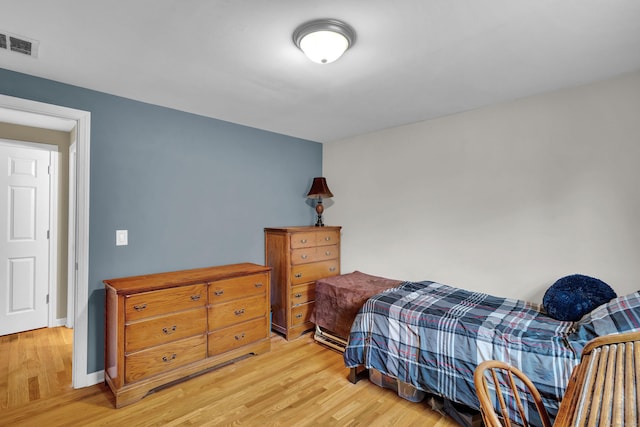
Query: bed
432	336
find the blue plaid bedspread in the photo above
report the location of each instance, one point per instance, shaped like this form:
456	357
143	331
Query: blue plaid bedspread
433	336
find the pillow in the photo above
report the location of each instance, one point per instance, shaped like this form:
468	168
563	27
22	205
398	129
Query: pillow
571	297
621	314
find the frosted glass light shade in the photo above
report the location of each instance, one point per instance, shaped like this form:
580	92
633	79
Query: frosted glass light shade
324	40
324	47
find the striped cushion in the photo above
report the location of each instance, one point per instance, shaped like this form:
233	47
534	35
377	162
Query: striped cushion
621	314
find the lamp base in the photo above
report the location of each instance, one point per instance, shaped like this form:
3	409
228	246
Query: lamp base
319	210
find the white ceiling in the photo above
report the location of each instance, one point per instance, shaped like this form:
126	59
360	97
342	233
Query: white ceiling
413	59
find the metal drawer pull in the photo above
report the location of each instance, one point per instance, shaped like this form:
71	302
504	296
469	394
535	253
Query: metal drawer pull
169	359
258	285
304	256
195	297
219	292
239	337
299	275
327	239
298	295
299	316
239	312
140	307
303	240
327	253
170	330
332	269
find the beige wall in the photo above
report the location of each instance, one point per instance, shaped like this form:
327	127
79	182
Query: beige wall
505	199
62	140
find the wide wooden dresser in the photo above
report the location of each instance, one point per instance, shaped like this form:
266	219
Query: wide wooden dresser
167	326
298	257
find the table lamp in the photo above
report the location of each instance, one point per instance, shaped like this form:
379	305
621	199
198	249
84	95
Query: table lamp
318	191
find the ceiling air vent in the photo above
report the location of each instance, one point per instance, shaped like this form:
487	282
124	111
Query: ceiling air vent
19	44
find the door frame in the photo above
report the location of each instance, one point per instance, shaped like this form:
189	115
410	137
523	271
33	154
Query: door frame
53	236
81	214
71	234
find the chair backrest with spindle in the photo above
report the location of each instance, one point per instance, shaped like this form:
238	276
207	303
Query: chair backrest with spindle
511	386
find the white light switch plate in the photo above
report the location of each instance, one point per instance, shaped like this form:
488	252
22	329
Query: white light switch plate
122	237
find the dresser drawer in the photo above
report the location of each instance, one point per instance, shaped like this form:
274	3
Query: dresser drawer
156	360
164	329
303	255
317	237
311	272
164	301
236	311
303	240
327	252
319	253
239	287
327	237
235	336
301	314
303	293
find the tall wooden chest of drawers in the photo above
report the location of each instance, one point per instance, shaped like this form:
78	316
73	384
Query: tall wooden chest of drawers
298	257
167	326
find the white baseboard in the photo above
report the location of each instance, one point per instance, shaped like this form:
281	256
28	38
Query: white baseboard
60	322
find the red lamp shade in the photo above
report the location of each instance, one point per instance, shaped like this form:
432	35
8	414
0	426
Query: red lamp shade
319	189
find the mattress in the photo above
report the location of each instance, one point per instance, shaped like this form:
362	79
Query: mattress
339	298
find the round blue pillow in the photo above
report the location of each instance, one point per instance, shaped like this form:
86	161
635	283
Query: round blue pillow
571	297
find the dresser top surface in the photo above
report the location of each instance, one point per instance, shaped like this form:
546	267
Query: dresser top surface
303	228
135	284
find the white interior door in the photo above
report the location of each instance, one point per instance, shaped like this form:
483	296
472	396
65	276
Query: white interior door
24	245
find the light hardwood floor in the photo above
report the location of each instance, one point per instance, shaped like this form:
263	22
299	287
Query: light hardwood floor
34	365
298	383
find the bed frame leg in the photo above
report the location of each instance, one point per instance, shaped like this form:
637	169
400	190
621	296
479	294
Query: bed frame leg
358	373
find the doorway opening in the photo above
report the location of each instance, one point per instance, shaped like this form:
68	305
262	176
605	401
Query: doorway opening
26	112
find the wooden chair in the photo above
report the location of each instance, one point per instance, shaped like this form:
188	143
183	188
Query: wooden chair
515	384
603	388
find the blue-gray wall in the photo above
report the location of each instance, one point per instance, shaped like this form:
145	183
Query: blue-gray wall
192	191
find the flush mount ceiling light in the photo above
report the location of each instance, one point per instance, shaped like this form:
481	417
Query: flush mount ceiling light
324	40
